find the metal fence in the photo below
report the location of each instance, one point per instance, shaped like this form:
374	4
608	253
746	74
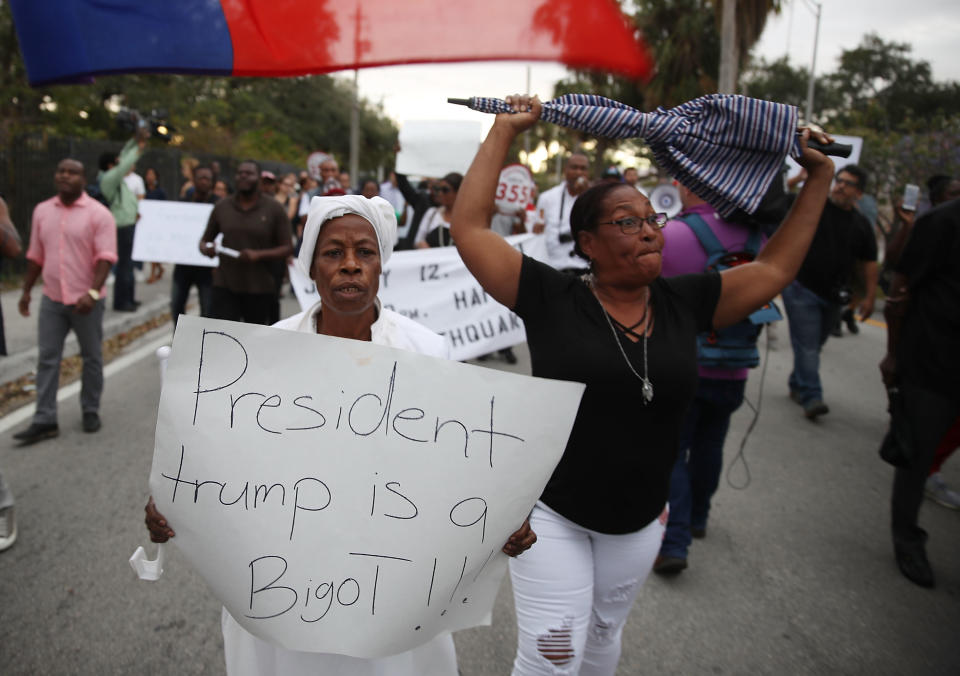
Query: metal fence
27	167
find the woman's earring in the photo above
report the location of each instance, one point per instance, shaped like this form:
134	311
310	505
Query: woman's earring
588	275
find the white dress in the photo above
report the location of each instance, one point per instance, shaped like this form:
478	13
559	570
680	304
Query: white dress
247	655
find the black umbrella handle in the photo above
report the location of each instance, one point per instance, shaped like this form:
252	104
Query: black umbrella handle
460	102
835	149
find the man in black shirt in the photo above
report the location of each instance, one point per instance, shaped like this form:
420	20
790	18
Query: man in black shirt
923	325
815	299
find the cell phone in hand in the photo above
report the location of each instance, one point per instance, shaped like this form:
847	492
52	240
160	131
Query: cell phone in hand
911	193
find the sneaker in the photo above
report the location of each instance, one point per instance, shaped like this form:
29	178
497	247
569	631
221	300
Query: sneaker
669	565
91	421
8	528
939	492
814	408
37	432
850	321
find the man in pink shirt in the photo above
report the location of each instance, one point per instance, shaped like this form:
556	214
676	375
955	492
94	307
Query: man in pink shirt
73	244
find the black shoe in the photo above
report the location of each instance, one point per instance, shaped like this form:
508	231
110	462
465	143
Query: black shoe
912	560
837	331
125	308
698	533
37	432
136	304
669	565
850	321
815	408
508	355
91	421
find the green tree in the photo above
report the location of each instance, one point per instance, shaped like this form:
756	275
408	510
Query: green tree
779	81
881	86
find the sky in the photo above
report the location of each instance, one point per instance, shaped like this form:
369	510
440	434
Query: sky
932	28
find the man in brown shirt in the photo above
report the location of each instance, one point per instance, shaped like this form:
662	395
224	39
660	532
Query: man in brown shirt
245	288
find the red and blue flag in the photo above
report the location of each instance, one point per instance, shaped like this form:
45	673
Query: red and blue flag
74	40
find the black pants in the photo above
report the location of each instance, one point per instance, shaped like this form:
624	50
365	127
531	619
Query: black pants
929	416
185	276
123	281
252	308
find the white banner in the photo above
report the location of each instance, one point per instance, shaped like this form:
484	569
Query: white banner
169	232
339	496
437	147
434	287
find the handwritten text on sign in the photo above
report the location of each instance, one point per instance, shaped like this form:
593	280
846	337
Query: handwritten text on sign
339	496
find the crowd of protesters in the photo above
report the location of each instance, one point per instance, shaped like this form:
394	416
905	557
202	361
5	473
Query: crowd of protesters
826	242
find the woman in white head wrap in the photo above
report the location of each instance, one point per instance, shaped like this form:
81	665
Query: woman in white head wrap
346	241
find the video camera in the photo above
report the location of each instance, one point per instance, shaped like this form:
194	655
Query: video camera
132	121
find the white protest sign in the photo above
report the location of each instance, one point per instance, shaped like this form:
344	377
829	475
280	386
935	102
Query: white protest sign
839	162
437	147
515	189
169	232
434	287
339	496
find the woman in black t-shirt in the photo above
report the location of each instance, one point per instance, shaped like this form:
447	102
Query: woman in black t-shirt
630	336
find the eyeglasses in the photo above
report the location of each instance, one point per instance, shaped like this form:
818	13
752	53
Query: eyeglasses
442	188
631	225
844	181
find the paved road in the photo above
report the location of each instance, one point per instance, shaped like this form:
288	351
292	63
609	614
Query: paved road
796	575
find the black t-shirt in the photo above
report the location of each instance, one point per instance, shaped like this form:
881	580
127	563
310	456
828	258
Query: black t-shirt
614	476
843	238
928	353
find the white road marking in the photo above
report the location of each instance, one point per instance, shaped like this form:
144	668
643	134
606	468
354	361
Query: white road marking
116	366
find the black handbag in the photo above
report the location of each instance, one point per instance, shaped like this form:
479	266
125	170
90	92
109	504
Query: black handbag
897	445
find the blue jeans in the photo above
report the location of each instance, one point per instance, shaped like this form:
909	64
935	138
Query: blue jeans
811	318
696	473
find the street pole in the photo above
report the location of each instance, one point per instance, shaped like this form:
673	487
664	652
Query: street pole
727	79
355	132
813	66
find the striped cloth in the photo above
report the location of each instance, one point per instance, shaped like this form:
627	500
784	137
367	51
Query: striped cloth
725	148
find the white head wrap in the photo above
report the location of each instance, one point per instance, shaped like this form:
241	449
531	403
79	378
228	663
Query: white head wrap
378	211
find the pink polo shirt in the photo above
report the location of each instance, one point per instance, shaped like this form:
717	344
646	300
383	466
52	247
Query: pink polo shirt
67	241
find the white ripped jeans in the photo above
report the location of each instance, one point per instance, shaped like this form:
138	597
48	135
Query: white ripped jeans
573	591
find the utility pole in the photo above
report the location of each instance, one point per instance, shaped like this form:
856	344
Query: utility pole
728	49
813	63
355	132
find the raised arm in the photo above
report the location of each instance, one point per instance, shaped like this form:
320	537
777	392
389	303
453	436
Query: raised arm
747	287
494	263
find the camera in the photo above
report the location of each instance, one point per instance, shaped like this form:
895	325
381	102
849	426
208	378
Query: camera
132	121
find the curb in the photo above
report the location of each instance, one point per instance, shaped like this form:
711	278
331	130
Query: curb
22	363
